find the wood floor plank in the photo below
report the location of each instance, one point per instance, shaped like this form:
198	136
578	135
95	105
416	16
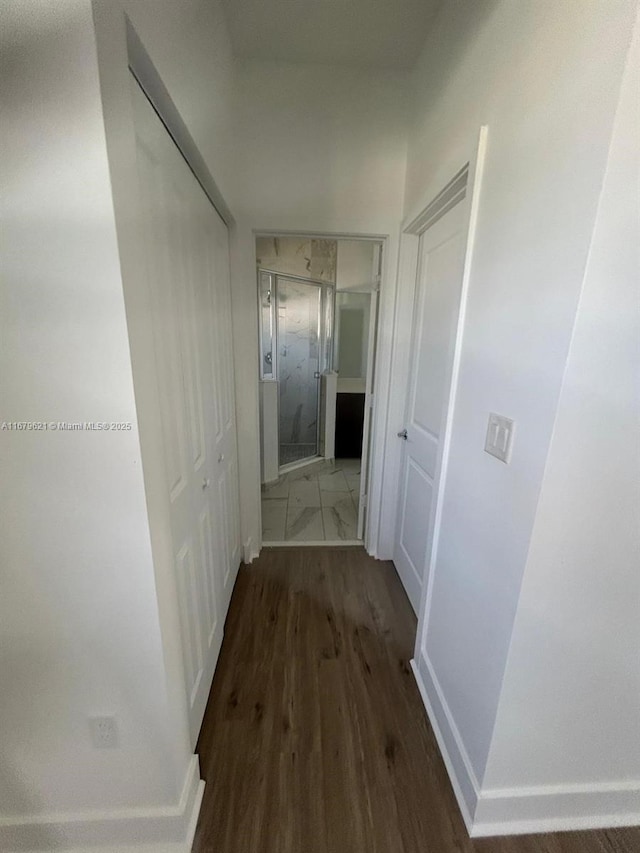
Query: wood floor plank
315	739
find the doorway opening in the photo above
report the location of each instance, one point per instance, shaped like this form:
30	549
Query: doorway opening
318	312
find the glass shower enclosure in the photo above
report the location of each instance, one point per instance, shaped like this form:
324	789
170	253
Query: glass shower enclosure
296	325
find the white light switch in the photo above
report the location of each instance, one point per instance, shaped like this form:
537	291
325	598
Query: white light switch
499	437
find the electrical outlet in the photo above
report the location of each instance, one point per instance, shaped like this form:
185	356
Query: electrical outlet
104	732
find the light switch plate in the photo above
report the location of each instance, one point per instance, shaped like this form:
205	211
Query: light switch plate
499	437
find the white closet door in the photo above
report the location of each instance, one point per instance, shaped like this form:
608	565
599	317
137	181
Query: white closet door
188	263
218	324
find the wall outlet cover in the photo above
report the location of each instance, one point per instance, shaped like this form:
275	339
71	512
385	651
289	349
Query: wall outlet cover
499	439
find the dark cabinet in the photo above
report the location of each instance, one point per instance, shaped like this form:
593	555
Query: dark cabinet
349	425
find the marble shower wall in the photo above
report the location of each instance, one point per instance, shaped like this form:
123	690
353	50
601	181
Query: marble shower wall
298	360
309	258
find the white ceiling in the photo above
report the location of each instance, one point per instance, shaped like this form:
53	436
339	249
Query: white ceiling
368	34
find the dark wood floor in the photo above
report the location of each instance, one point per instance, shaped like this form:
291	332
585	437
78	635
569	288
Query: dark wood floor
315	739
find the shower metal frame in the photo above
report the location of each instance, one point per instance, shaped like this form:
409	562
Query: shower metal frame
326	319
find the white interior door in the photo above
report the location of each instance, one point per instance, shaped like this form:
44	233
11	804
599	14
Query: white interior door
439	278
187	252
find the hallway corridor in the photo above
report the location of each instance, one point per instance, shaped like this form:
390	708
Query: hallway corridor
315	739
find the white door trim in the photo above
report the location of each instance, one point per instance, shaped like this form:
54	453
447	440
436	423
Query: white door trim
369	399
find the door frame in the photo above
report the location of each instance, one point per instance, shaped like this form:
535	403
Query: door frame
376	398
463	188
364	502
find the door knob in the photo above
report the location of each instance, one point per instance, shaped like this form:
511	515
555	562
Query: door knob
206	483
403	434
221	458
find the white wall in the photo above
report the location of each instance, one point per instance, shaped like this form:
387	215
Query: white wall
570	701
270	450
355	265
79	631
319	147
189	46
320	150
82	625
545	78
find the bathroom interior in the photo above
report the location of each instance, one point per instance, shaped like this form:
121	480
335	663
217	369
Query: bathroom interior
318	311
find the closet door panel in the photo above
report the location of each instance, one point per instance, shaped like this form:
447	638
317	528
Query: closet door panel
190	314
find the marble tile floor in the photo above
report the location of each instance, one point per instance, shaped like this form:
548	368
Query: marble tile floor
314	503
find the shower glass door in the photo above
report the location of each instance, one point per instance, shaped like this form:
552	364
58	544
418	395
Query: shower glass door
299	334
296	343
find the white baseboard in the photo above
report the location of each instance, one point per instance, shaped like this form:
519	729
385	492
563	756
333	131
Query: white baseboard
249	553
557	808
195	813
161	829
517	811
463	781
314	543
